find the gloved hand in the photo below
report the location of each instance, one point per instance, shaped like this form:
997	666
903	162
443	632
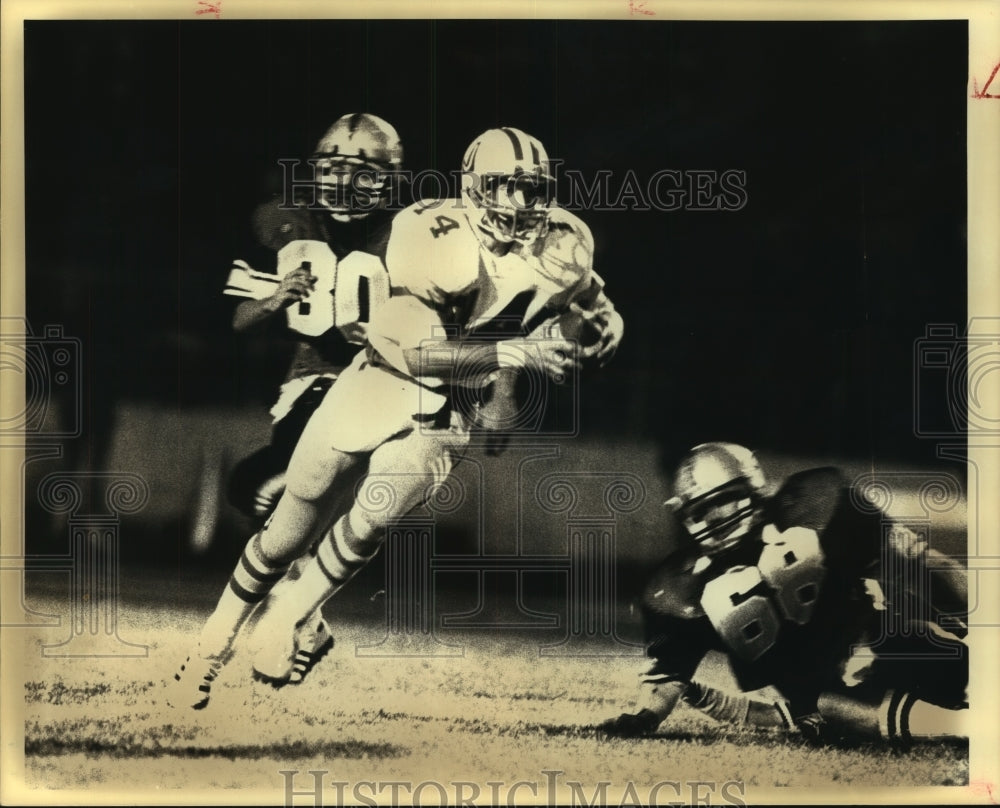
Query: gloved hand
631	725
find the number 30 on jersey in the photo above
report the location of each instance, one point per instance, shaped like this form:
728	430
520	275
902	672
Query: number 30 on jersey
345	292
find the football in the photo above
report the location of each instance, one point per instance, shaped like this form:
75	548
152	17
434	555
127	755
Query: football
573	326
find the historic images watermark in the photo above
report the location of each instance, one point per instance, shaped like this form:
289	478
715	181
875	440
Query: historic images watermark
366	189
48	367
322	788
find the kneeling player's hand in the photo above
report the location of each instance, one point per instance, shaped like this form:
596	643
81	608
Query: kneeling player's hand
631	725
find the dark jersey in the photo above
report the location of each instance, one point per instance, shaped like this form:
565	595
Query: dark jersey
348	260
785	605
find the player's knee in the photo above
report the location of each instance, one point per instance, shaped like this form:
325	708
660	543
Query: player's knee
365	525
292	528
312	473
382	497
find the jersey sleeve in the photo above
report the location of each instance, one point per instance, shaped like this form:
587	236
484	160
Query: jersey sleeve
246	282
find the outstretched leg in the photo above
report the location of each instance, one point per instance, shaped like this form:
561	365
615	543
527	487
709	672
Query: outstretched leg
402	474
295	524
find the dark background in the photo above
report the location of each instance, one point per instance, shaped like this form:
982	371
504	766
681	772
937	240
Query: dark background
788	325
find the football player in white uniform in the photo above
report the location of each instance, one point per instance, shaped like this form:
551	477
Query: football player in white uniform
319	266
483	286
806	592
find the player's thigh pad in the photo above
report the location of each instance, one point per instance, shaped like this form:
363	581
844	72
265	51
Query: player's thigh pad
367	406
405	471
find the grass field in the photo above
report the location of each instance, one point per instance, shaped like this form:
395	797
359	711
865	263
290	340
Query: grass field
501	713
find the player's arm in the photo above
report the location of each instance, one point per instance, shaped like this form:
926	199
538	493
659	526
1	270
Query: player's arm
410	334
473	363
590	319
570	244
265	294
660	689
675	648
609	323
295	286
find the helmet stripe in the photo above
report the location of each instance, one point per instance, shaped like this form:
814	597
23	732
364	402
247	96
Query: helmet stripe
470	159
518	151
535	157
355	122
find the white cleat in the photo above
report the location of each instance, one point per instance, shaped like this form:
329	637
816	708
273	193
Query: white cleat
191	686
314	642
286	653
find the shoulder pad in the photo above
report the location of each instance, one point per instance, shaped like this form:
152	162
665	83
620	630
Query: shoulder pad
562	220
566	253
808	499
433	251
275	226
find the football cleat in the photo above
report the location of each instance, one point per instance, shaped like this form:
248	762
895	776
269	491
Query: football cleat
314	642
631	725
192	684
814	729
286	653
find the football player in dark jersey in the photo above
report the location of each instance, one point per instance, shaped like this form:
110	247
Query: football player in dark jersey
806	591
319	266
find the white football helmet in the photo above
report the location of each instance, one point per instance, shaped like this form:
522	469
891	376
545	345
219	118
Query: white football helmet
718	492
354	166
507	176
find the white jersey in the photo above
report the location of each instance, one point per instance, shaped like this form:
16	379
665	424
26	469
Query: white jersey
445	282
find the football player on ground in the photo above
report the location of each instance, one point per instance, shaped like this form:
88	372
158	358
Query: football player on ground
484	286
805	591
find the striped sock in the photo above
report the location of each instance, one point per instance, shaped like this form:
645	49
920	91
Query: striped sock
894	716
255	575
904	717
334	565
336	557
